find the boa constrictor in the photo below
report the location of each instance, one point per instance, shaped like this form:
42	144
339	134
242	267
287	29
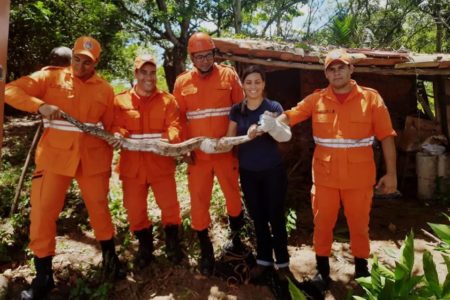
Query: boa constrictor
208	145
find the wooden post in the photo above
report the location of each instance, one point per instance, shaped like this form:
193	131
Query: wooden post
441	101
4	29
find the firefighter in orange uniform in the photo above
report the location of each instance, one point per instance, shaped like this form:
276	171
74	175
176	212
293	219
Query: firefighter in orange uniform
205	96
346	118
64	153
143	113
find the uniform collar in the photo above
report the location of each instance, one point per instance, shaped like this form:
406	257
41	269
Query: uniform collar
355	91
139	98
197	73
93	79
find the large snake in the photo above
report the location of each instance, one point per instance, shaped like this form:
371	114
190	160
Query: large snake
208	145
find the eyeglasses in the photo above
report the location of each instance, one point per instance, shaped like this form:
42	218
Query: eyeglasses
208	56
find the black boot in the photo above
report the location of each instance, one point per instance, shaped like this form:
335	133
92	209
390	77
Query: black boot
207	261
173	249
43	283
261	274
281	284
236	224
112	268
145	251
322	279
361	269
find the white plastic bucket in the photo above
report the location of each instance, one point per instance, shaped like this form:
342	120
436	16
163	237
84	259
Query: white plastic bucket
426	169
443	171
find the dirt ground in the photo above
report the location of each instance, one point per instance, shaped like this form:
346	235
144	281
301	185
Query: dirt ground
391	220
78	256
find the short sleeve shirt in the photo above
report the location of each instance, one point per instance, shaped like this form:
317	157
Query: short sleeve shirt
262	152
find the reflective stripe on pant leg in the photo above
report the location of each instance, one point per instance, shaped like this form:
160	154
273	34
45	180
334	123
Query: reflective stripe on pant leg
95	194
165	192
325	205
227	173
200	182
135	194
47	200
357	204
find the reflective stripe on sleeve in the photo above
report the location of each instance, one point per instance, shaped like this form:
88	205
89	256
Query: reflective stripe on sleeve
344	143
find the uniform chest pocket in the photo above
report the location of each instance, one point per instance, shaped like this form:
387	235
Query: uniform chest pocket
155	123
190	94
96	110
360	126
57	94
132	119
222	92
323	117
189	90
360	118
323	124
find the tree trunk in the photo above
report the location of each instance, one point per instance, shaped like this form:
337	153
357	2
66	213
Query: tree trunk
174	64
237	8
279	29
438	36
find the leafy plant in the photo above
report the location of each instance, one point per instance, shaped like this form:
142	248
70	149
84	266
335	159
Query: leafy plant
442	192
83	291
296	293
291	220
342	29
186	223
401	282
443	232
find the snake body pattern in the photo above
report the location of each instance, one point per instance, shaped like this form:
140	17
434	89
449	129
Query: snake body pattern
160	147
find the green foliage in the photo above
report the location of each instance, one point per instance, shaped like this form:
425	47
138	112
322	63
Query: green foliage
442	192
443	232
408	23
402	283
418	25
82	290
342	29
9	176
291	221
296	293
13	236
59	23
218	200
118	211
7	240
274	17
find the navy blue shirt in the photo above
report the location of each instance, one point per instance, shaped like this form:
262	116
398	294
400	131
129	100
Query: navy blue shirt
262	152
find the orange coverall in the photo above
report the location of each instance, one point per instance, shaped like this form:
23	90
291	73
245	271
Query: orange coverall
205	103
343	167
150	117
64	152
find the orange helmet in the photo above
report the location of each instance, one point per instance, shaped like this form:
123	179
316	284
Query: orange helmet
199	42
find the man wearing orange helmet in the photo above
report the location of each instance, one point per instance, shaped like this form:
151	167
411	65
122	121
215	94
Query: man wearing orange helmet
205	96
65	152
143	113
346	118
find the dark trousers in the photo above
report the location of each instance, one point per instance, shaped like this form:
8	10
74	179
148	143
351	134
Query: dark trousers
264	196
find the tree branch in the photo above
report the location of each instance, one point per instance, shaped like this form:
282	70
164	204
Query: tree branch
169	34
